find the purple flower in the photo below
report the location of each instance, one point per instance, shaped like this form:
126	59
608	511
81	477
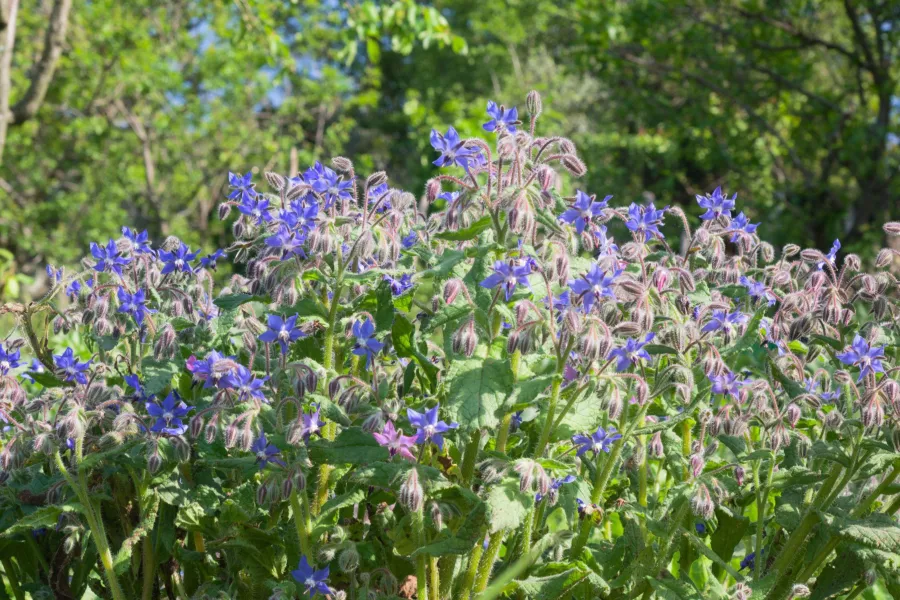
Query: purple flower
212	370
502	119
410	240
54	274
701	528
301	215
133	382
73	290
428	426
140	242
864	356
599	441
724	321
832	254
509	276
741	224
178	259
9	359
727	384
749	561
312	423
256	207
645	220
332	186
516	421
287	242
169	415
71	369
554	486
265	452
716	204
630	353
245	383
108	258
606	246
757	290
242	187
314	582
594	285
399	286
283	331
583	210
366	344
133	304
394	440
375	195
35	367
209	262
453	150
448	196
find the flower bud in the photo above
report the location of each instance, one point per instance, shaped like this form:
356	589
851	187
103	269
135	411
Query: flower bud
451	290
574	165
741	592
261	493
833	420
534	106
231	435
702	505
411	493
348	560
342	164
546	177
656	449
697	464
275	180
182	448
793	414
800	591
154	463
376	179
873	413
464	339
885	258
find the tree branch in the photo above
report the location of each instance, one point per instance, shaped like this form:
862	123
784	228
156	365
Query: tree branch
28	106
9	11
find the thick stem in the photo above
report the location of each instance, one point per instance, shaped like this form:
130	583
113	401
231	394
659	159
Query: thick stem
418	524
149	568
551	411
330	429
465	590
488	560
11	576
300	523
435	582
470	456
601	479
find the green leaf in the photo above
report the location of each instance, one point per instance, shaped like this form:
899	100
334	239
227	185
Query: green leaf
478	390
402	337
751	334
729	532
232	301
157	374
446	315
878	531
671	589
527	390
46	516
307	307
554	587
793	388
469	233
49	380
507	506
838	576
352	446
339	502
384	313
655	349
444	268
462	540
389	475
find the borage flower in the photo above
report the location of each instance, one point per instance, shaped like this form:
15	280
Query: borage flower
9	359
631	352
554	487
645	220
831	257
168	415
242	187
311	423
366	344
757	290
399	286
599	441
741	225
245	383
133	304
727	384
410	240
861	354
140	242
314	582
209	261
453	150
108	258
332	187
594	285
178	259
69	366
716	204
288	242
606	246
265	452
502	119
509	276
256	207
396	443
283	331
428	426
583	210
724	321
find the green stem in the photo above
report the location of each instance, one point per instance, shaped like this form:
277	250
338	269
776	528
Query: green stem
300	523
601	479
435	582
503	436
686	444
762	494
465	590
149	568
418	524
448	571
488	560
470	456
551	411
515	570
642	469
96	527
13	581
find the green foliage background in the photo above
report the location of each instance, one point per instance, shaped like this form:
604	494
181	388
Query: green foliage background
791	104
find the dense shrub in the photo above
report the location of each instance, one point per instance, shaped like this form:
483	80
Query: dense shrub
479	392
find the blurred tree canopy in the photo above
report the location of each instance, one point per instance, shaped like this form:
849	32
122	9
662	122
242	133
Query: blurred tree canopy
791	104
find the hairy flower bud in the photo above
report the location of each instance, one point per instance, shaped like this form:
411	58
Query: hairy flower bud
451	290
801	591
262	492
224	211
793	414
412	495
702	504
231	435
342	164
656	448
465	339
534	106
154	463
165	343
833	420
348	560
573	165
182	448
276	181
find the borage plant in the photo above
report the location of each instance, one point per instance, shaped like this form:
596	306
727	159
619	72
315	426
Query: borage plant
476	394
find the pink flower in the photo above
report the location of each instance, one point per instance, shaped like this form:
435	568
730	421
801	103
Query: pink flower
394	440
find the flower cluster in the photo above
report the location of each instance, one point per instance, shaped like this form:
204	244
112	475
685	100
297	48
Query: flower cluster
498	388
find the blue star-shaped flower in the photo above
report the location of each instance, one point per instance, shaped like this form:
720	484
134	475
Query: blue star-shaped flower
631	352
209	261
256	207
245	383
178	259
583	210
509	276
71	369
757	290
108	258
594	285
861	354
242	187
314	582
832	254
332	187
727	384
283	331
133	304
599	441
399	286
140	242
169	414
428	426
502	119
716	204
741	224
453	150
645	220
724	321
288	242
265	452
555	485
366	344
9	360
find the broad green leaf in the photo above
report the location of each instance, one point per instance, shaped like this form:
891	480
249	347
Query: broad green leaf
232	301
462	540
46	516
478	392
730	529
507	506
339	502
352	446
469	233
49	380
878	531
554	587
389	475
673	589
157	374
